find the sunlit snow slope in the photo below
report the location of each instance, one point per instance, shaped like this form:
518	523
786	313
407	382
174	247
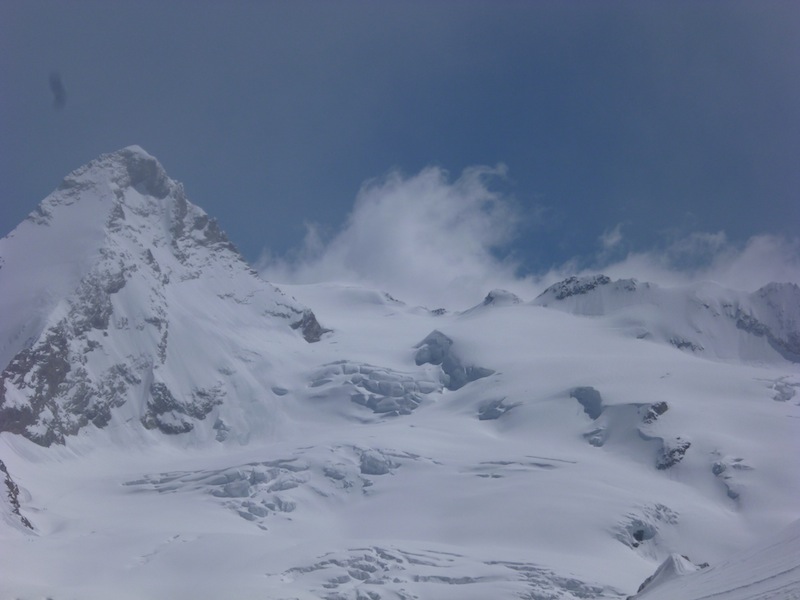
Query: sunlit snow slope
169	433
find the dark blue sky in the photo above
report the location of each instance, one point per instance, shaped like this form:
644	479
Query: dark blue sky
665	117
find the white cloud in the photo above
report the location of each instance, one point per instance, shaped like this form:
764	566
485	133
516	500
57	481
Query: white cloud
430	240
764	258
611	238
425	239
712	257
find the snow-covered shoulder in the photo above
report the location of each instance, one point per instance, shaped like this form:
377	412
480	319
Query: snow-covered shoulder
768	571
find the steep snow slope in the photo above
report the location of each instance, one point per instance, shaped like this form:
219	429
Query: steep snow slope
509	451
122	301
769	571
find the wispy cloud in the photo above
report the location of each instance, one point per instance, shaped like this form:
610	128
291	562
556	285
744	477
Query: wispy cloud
611	244
611	238
703	256
437	241
425	238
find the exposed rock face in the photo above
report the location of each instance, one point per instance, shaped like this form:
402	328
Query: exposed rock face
494	409
654	411
590	399
573	286
171	415
684	344
46	395
436	349
310	327
672	452
149	275
12	495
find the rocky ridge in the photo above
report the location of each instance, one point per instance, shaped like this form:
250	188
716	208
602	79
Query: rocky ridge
152	259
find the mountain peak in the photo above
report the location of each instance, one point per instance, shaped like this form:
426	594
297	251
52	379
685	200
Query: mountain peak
111	282
499	297
121	186
580	286
129	167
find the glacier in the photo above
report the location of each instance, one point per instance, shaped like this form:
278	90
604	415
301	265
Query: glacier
173	426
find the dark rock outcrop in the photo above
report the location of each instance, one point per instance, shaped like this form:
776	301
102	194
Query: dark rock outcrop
437	349
573	286
12	493
671	453
309	326
654	411
494	409
167	413
590	399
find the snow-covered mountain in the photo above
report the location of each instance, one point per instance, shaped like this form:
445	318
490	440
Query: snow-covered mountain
705	318
123	301
175	427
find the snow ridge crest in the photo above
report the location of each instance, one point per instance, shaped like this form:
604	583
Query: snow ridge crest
151	277
128	167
